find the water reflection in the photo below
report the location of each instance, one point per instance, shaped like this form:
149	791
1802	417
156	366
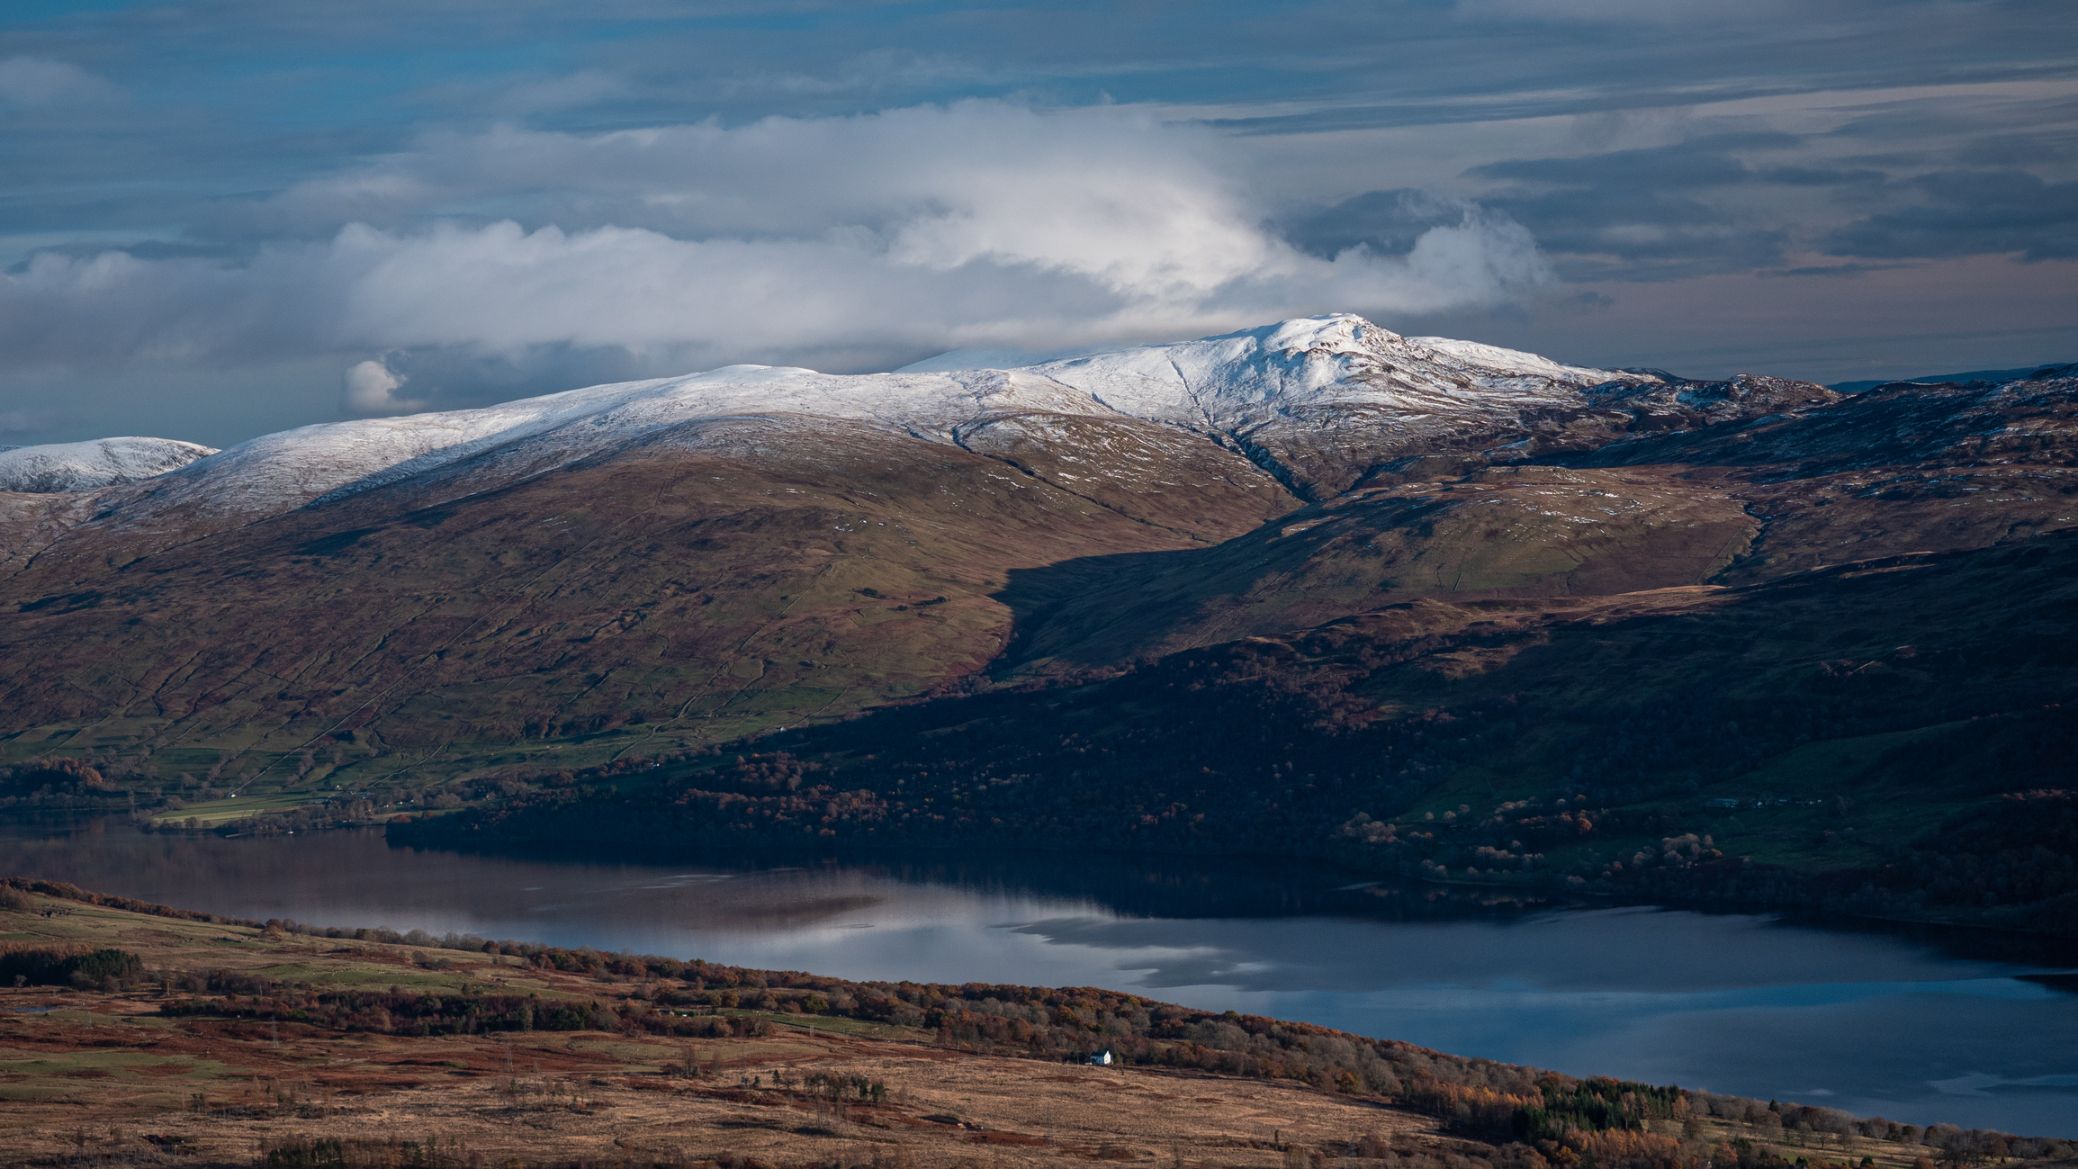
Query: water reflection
1868	1022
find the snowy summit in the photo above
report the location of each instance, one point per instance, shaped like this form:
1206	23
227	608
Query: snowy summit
84	466
1222	387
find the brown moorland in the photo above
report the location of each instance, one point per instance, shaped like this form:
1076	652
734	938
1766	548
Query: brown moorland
135	1035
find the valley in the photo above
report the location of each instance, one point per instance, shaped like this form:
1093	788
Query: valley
1413	607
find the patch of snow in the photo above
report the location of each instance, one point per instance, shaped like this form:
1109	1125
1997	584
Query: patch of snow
1252	376
961	359
57	467
1499	360
1209	388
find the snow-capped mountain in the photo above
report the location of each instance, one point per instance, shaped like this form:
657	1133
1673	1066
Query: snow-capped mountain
1301	398
1255	376
85	466
696	557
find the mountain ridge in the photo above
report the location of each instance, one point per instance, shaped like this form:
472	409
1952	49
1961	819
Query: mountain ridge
54	468
1240	379
484	607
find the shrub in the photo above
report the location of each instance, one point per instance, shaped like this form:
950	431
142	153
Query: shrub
103	969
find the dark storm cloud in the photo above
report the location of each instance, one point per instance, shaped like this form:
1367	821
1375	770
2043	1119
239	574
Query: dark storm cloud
1835	270
1963	213
1620	232
1690	208
1820	176
1645	214
1714	160
1656	213
1701	162
1392	220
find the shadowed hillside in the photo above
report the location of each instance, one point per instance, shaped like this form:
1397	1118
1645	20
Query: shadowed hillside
1743	746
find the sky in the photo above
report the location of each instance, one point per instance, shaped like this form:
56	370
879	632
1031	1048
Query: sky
220	218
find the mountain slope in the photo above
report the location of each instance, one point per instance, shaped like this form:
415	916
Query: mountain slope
693	558
1504	532
728	573
1993	376
654	569
1745	497
1891	738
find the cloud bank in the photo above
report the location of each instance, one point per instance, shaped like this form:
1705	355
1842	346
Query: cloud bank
841	242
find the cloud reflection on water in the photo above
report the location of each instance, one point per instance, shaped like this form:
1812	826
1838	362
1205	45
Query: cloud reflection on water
1867	1022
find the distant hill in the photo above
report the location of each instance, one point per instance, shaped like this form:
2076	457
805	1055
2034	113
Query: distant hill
2050	369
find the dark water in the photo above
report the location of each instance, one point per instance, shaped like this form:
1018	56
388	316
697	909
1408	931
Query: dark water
1870	1023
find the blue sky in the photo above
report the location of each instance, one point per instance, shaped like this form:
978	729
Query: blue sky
222	217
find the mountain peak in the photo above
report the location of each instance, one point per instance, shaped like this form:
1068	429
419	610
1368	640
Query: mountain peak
57	467
1339	379
1339	359
1334	332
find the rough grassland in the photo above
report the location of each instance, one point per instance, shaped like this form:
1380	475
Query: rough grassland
140	1074
105	1075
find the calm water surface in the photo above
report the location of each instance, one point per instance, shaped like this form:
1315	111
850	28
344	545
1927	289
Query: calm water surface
1870	1023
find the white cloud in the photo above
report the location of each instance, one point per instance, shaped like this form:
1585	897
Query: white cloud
833	241
371	388
34	81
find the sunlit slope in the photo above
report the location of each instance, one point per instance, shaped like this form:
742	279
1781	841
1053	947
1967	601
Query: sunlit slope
690	589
